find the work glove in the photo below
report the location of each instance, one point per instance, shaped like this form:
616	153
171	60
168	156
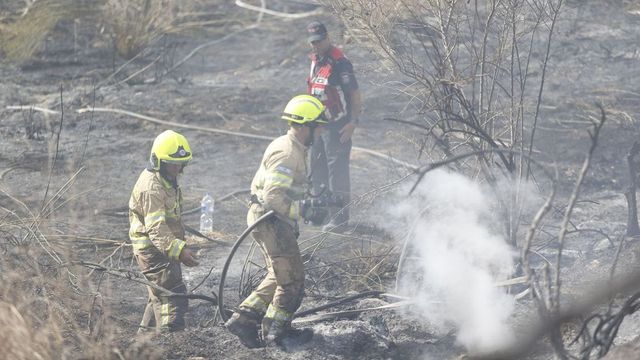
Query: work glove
313	211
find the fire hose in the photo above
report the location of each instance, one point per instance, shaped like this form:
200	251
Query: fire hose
267	216
234	248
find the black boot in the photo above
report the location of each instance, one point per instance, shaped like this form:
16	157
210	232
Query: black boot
245	329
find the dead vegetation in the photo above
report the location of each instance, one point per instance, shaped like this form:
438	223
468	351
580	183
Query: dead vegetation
469	66
49	307
49	310
136	24
23	33
475	73
27	314
132	25
369	265
478	104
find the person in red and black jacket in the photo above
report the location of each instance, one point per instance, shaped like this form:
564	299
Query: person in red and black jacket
331	79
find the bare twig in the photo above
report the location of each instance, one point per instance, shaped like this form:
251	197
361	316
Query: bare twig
264	10
632	205
365	294
554	17
207	44
597	126
141	70
432	166
212	130
579	307
55	155
139	278
351	313
32	107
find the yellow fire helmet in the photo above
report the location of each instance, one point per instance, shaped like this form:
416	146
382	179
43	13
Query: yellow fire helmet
170	147
304	109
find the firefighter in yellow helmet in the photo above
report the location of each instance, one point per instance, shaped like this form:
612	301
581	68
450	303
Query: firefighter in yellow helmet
157	233
280	184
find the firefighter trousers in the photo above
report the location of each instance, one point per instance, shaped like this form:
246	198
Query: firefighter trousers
279	295
161	312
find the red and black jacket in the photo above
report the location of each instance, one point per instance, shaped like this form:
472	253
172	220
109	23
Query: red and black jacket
318	83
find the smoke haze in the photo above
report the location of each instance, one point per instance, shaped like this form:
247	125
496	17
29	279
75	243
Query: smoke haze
456	256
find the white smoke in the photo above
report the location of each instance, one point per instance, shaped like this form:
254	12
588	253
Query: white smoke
457	258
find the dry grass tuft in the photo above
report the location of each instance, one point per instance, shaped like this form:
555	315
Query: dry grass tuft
49	311
133	24
137	23
373	268
21	35
32	314
48	308
23	338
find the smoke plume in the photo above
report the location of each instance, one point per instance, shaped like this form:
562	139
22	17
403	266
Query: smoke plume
454	257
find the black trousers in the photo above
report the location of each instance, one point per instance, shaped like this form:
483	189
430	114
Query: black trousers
330	167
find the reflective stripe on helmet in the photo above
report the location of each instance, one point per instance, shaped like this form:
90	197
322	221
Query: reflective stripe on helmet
308	101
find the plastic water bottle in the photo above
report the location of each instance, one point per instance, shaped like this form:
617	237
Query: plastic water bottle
206	211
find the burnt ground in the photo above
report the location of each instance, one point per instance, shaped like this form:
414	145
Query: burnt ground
241	84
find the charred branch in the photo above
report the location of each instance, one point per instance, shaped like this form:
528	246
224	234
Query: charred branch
632	205
139	278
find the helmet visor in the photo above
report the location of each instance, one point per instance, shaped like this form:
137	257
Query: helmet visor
293	117
181	153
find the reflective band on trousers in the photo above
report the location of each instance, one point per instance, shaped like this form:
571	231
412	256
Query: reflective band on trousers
255	302
294	210
165	313
278	314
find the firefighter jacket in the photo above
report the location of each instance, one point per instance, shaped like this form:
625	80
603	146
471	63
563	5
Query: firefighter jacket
281	179
318	83
155	215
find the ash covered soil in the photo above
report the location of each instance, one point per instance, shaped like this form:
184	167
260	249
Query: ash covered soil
241	84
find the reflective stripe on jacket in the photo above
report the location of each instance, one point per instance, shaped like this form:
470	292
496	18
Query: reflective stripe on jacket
281	178
318	83
155	215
